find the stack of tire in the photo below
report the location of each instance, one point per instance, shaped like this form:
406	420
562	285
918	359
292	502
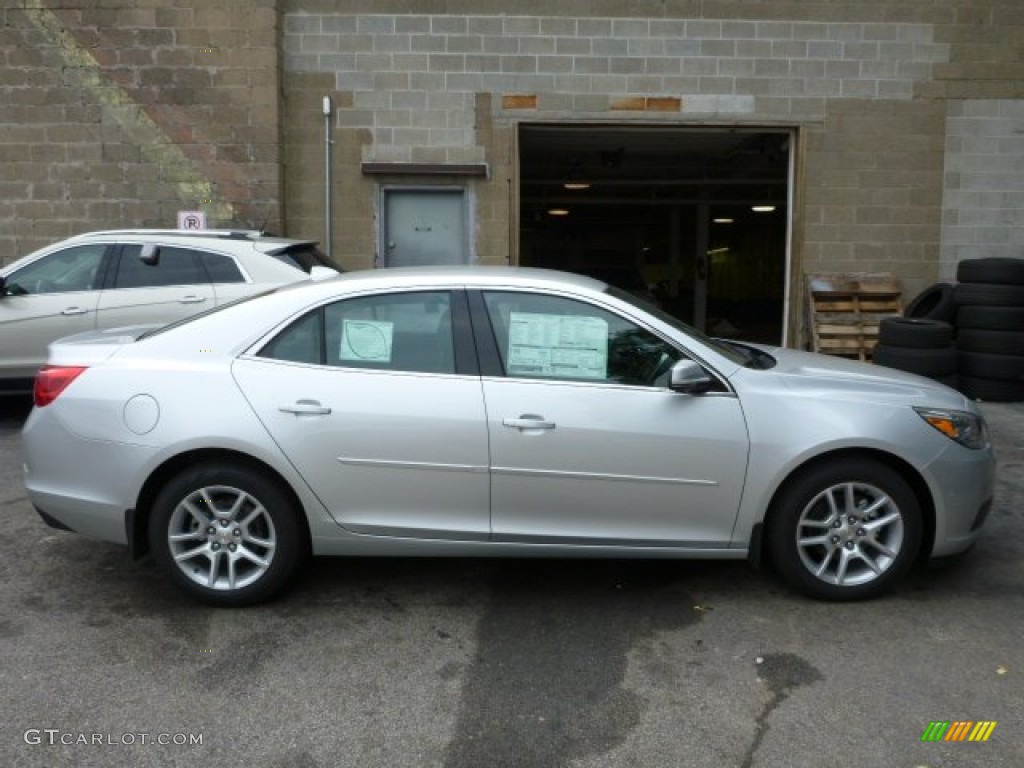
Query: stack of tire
990	328
917	345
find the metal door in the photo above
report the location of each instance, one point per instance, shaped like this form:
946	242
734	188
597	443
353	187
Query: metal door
424	227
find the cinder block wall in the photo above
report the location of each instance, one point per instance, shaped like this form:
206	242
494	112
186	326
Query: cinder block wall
123	112
871	85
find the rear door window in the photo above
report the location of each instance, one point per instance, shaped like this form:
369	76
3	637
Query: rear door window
173	266
388	332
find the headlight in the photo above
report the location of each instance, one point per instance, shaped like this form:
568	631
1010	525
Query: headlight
968	429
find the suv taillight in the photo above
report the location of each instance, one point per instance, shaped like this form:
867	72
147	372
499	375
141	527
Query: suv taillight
51	381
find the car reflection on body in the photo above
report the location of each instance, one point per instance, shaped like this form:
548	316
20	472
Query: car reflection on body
493	412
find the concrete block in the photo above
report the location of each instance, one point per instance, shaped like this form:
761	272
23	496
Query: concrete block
449	25
392	43
573	45
630	28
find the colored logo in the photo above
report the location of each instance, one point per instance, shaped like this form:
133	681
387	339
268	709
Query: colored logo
958	730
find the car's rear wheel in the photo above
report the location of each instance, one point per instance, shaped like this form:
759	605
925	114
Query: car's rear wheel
845	530
225	534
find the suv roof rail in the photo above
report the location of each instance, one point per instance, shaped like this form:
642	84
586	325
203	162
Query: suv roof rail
232	234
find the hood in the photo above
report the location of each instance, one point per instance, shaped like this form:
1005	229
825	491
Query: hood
827	376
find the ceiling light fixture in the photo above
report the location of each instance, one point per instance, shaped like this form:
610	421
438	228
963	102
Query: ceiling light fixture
576	185
762	208
722	220
558	211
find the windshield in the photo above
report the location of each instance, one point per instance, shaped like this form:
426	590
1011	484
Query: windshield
738	354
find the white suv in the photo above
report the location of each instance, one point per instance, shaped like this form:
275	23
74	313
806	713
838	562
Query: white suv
115	278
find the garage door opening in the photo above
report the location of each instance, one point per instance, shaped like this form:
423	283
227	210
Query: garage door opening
697	219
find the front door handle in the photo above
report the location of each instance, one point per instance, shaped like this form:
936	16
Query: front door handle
192	299
529	421
74	311
305	407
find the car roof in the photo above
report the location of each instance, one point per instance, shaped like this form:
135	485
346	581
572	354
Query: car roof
475	275
258	238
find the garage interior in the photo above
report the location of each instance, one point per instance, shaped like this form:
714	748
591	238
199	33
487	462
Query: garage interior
695	219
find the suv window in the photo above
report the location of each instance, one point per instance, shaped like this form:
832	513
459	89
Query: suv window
550	337
70	269
390	332
174	266
221	269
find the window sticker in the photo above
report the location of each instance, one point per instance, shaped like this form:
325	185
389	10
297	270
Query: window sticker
567	346
366	341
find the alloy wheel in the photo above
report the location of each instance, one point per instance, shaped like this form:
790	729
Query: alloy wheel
221	537
849	534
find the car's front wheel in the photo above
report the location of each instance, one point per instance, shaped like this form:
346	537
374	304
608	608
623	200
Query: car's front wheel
845	530
225	534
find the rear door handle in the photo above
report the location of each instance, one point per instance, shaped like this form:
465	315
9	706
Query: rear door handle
192	299
529	421
74	311
305	407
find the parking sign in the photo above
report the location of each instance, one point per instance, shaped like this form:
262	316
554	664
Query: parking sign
191	220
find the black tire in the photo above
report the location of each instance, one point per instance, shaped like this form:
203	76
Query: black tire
991	318
914	333
933	303
272	519
802	511
935	363
991	270
994	342
987	366
991	390
989	295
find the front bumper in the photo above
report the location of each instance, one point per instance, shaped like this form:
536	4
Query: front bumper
962	482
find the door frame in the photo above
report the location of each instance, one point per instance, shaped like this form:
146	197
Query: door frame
380	259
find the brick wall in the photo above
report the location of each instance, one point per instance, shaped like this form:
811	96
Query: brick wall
120	113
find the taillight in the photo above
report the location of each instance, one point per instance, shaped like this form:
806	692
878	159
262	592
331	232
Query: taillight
52	380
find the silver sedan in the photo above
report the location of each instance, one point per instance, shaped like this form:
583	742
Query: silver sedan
493	412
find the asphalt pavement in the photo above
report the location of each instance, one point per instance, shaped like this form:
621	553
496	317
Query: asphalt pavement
475	663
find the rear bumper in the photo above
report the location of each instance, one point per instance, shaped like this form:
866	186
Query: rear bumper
78	484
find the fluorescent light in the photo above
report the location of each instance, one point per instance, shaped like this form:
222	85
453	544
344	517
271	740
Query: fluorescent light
576	185
763	208
558	212
722	220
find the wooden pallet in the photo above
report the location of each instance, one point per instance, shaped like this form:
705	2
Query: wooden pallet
844	311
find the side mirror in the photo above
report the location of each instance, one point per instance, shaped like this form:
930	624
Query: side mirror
690	378
150	254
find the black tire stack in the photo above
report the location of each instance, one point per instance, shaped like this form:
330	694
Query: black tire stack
990	328
917	345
